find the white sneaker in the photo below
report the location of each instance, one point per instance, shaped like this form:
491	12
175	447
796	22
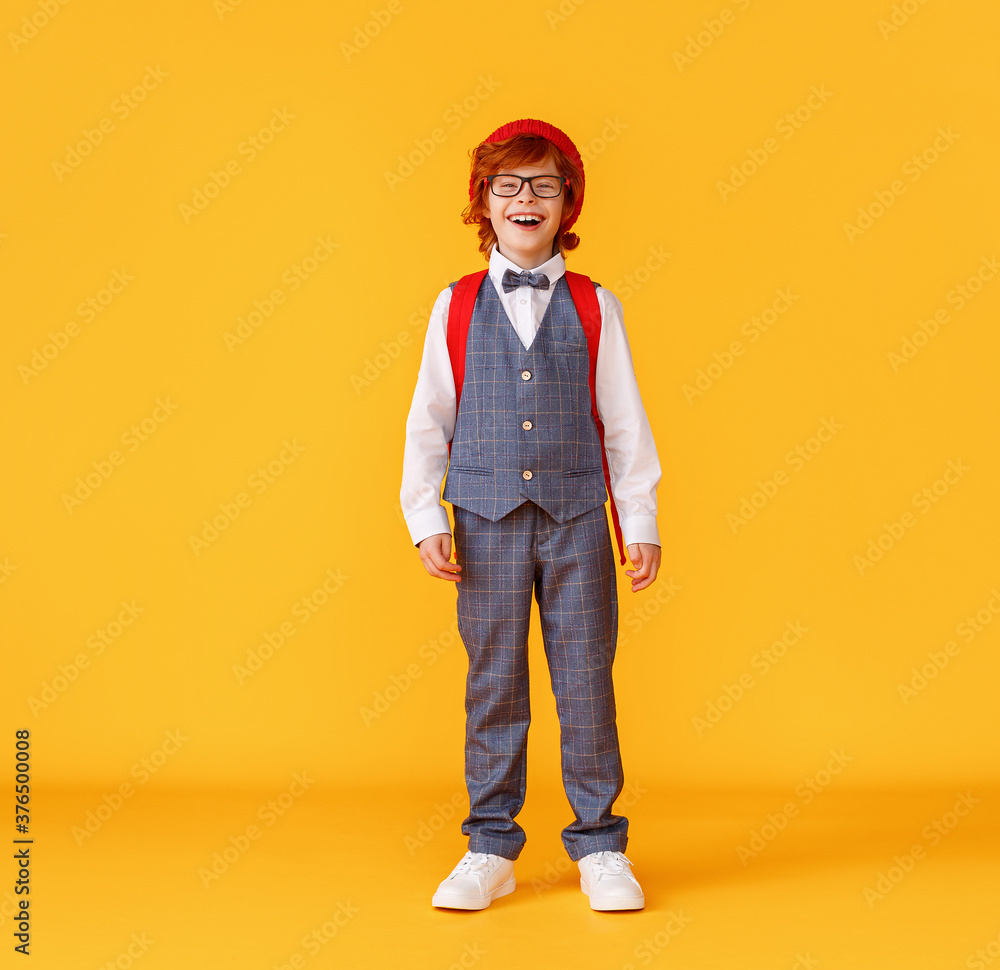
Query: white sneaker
475	882
606	877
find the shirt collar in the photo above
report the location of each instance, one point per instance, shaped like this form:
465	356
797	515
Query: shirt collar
553	268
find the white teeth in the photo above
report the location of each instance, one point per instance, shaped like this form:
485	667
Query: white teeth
525	218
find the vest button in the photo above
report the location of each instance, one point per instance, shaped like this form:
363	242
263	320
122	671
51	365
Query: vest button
527	425
526	476
526	375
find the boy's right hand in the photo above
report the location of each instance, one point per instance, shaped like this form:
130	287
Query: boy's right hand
435	554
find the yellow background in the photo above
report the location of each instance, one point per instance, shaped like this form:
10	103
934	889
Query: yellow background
372	157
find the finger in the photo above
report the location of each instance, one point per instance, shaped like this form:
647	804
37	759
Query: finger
643	571
654	569
439	562
439	555
642	578
640	575
444	570
634	554
438	574
436	562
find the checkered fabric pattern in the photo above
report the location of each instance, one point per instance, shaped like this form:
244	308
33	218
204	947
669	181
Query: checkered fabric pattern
569	566
497	462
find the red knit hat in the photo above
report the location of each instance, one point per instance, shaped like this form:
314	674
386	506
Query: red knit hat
531	126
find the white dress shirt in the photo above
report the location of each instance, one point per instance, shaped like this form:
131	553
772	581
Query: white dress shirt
628	439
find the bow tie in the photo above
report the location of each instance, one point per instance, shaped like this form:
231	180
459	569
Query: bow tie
512	280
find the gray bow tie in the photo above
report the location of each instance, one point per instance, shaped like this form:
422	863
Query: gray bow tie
512	280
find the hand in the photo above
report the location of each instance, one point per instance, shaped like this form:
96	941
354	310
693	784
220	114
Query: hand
646	558
435	553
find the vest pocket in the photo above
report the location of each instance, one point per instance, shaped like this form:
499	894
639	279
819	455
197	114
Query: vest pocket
570	347
578	472
470	470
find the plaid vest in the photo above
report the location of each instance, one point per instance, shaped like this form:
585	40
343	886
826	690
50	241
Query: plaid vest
524	428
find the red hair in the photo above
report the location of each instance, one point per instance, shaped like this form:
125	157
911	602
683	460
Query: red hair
492	158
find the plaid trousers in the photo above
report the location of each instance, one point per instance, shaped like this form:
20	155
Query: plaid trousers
570	568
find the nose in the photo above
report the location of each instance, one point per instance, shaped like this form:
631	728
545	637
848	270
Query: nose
526	195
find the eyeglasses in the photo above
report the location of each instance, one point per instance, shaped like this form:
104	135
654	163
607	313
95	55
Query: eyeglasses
543	186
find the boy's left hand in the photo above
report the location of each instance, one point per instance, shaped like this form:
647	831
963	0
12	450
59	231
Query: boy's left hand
646	558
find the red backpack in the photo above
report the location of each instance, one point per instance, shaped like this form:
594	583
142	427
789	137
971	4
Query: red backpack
581	288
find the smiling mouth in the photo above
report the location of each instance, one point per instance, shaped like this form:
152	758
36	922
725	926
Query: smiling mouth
526	221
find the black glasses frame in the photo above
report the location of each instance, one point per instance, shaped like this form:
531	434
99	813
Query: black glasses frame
563	181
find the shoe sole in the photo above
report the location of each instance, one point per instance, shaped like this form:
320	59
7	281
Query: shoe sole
446	901
614	904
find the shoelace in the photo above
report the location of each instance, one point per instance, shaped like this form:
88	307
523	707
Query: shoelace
473	862
610	863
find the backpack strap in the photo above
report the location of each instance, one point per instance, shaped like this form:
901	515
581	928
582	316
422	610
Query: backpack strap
463	299
584	292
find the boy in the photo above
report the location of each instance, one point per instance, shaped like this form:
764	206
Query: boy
526	480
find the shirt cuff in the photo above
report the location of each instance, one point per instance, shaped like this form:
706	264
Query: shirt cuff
428	522
640	528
